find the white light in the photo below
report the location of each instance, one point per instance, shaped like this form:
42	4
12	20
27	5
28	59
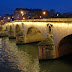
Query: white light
40	16
57	14
12	16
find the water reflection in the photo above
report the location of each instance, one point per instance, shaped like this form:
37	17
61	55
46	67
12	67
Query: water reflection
24	58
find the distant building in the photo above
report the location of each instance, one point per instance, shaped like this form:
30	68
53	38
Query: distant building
1	22
21	13
67	15
6	18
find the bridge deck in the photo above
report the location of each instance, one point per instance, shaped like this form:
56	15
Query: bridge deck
47	20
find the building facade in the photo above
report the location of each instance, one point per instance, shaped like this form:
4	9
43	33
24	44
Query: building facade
21	13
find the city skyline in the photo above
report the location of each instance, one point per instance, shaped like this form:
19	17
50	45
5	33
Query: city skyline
62	6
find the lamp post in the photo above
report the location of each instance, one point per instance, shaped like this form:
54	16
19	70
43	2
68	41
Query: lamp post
23	18
40	17
57	15
44	13
22	13
8	18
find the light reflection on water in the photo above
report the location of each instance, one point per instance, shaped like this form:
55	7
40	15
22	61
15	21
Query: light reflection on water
24	58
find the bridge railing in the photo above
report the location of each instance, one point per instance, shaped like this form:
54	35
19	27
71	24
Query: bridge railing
46	20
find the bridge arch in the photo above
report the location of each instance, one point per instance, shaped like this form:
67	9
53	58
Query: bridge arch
17	29
64	46
10	28
33	35
6	28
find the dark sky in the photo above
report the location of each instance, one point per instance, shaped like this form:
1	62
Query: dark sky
8	6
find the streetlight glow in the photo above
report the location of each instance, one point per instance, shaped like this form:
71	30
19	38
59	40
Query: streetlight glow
8	17
23	17
44	12
57	14
22	12
40	16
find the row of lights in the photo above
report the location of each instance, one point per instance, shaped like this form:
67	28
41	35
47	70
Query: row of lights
44	13
22	13
9	17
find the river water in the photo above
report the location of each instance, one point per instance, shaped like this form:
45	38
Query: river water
24	58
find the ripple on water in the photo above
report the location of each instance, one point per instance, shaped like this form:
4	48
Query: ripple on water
19	59
24	58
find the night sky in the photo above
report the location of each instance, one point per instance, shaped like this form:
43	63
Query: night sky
8	6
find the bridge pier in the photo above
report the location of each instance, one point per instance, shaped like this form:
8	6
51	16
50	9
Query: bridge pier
3	33
20	37
47	49
11	35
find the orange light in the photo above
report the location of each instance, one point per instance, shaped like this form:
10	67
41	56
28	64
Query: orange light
8	17
23	17
22	12
44	12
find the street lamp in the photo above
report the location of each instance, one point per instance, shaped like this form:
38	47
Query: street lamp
23	18
44	12
8	17
57	14
22	13
40	16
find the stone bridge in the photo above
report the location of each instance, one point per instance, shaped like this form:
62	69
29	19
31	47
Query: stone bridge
33	30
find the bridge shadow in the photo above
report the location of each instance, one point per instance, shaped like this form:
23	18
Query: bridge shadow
62	64
64	47
67	59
